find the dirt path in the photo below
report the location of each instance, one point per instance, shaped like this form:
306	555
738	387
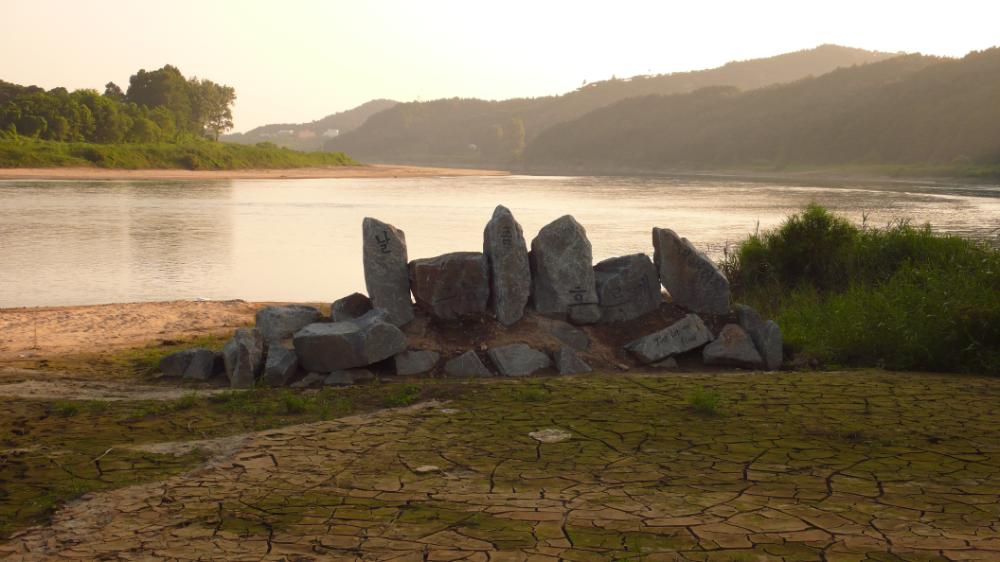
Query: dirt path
48	331
33	388
780	476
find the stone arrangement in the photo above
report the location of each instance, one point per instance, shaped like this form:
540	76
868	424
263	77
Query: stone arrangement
504	284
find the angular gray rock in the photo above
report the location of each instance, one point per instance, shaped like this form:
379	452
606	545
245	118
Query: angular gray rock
278	323
684	335
627	287
766	336
562	272
244	357
510	271
691	278
280	366
771	348
451	286
570	335
518	359
204	365
415	361
386	275
326	347
311	379
176	363
569	363
467	364
732	348
354	305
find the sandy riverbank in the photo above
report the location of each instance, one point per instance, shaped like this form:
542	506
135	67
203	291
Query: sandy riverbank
373	171
27	333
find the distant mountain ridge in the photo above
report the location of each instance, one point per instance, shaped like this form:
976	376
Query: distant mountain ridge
311	136
476	132
911	109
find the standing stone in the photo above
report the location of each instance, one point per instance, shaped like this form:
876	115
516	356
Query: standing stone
326	347
244	357
467	364
627	287
518	360
451	286
766	336
684	335
510	271
278	323
569	363
281	365
415	361
386	274
562	271
354	305
691	278
733	348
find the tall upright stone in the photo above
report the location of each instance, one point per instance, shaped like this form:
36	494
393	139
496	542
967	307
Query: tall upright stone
244	357
386	274
451	286
627	287
562	271
691	278
510	271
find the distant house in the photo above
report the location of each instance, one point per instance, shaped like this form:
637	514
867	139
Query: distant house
285	132
306	134
330	133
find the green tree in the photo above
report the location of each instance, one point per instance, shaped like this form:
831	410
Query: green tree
212	106
165	87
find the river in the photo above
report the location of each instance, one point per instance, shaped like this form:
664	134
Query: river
86	242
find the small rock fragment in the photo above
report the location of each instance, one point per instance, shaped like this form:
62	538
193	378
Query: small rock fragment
518	360
570	335
684	335
467	364
669	363
732	348
415	361
582	314
551	435
569	363
354	305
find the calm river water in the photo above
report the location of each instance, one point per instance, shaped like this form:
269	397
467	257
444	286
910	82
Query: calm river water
78	242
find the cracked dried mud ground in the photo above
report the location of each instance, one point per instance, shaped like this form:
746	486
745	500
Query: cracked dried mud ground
817	466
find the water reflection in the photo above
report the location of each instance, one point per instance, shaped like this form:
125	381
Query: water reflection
88	242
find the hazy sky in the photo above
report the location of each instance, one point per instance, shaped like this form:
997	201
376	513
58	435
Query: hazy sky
299	60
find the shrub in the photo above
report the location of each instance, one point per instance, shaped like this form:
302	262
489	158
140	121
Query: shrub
897	297
704	401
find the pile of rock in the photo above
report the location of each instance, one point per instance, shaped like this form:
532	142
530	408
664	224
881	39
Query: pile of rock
557	278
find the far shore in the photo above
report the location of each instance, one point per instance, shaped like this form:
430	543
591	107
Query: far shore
368	171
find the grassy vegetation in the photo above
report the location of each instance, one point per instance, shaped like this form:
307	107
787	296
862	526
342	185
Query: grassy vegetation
191	154
899	297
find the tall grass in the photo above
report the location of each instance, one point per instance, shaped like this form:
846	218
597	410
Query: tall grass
190	154
898	297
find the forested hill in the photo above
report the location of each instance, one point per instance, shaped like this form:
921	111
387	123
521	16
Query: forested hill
477	132
312	136
910	109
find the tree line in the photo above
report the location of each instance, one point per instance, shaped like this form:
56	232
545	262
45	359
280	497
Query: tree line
158	106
